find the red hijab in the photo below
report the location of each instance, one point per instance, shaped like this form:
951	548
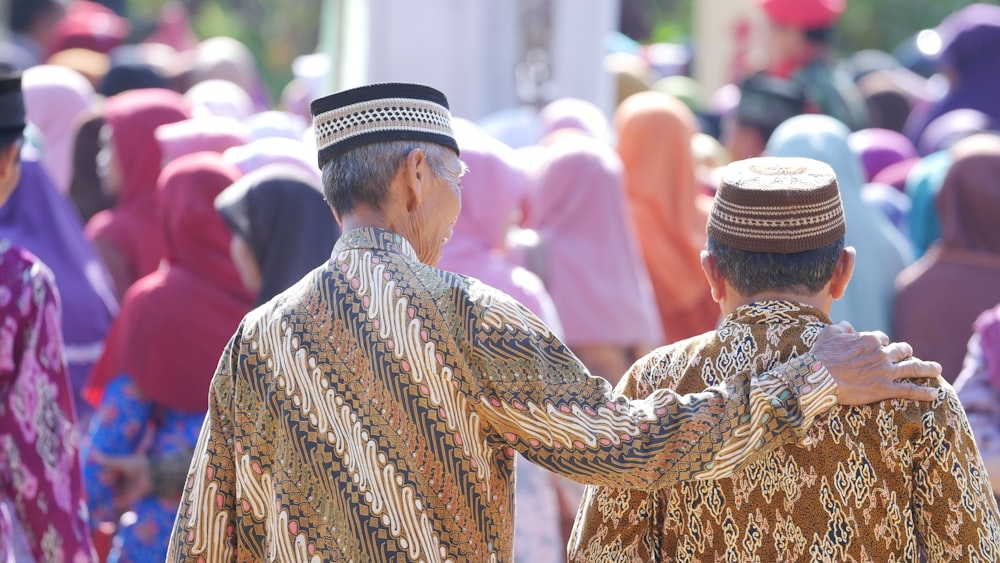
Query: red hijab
132	225
175	322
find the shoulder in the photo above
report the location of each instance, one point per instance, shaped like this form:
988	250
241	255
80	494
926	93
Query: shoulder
664	367
25	272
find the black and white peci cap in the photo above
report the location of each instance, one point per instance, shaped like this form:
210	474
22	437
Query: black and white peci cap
380	113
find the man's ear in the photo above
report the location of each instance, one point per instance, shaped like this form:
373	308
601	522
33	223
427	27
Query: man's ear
710	266
414	174
842	272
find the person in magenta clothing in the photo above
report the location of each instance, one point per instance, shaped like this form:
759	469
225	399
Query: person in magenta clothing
128	237
43	516
153	380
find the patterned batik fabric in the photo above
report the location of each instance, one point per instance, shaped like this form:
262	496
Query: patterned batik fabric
39	466
372	411
126	423
881	483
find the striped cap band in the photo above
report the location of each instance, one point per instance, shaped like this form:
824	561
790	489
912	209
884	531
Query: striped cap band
380	113
779	205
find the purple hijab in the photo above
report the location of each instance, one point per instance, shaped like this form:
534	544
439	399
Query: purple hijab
971	39
39	219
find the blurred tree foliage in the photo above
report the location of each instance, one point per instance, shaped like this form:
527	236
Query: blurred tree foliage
276	31
867	24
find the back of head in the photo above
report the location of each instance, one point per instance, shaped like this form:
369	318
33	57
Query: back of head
969	38
364	134
279	211
880	148
574	113
492	191
654	141
767	101
132	118
196	235
12	110
969	200
24	14
200	134
822	138
777	225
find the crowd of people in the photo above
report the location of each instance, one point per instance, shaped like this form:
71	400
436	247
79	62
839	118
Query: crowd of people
232	329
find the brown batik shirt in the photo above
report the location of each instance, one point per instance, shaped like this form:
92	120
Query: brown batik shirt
877	483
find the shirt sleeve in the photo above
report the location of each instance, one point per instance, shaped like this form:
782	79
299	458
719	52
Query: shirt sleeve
116	430
38	425
541	401
203	528
957	517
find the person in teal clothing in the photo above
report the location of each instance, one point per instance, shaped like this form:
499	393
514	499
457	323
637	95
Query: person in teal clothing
883	252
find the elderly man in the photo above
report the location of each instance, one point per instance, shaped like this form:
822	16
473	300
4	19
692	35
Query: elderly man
887	482
372	411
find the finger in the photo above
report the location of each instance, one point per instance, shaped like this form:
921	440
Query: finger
883	338
914	368
913	392
898	352
844	326
871	342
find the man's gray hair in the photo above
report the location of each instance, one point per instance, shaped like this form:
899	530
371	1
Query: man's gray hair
362	175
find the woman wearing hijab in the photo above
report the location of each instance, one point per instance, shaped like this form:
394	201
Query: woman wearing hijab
879	149
56	98
85	188
128	237
587	255
881	251
39	219
492	191
201	134
970	38
161	354
668	208
941	294
282	228
978	387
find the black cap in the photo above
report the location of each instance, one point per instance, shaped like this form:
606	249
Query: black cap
12	116
380	113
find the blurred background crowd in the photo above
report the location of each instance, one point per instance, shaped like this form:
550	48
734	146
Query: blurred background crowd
169	181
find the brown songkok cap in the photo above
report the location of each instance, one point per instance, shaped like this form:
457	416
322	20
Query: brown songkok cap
778	205
380	113
12	116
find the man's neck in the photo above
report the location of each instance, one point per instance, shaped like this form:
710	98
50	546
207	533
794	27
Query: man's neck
821	300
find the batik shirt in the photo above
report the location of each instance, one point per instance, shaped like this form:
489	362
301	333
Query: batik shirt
39	465
372	411
878	483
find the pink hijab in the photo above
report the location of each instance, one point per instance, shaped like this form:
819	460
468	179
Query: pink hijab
201	134
491	192
55	97
593	268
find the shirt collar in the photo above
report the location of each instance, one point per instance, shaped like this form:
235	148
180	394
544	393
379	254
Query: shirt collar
777	312
377	239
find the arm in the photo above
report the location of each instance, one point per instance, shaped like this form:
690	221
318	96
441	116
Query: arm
543	403
981	400
116	430
957	516
46	487
202	530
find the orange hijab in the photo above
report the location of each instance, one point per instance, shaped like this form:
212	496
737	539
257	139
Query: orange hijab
654	141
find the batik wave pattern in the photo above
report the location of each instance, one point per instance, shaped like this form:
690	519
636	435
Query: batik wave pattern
371	413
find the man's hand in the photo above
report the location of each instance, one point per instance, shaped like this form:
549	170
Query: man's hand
868	369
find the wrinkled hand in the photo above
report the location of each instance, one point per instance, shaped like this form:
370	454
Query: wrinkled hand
134	481
868	369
